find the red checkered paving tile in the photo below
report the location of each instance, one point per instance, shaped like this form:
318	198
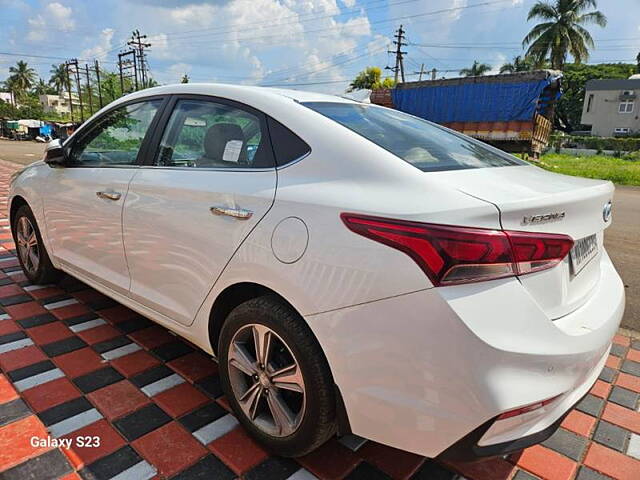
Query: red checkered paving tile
105	372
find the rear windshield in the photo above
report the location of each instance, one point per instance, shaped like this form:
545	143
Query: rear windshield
423	144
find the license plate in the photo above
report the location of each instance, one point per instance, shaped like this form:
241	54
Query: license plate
582	252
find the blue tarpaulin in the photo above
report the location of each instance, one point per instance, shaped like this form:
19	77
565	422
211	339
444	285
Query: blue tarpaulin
472	102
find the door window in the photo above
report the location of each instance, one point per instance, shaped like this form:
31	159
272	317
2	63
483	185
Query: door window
205	134
116	138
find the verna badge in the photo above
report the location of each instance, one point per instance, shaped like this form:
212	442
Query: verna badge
548	217
606	212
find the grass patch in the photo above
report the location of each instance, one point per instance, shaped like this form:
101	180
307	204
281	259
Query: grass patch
619	170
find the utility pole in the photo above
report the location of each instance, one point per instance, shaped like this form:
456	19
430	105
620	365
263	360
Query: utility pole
420	72
128	66
433	74
79	88
399	43
76	73
97	67
66	65
138	46
86	72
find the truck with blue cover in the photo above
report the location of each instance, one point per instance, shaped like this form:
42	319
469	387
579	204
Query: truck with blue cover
513	112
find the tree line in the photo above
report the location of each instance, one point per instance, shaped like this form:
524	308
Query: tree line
26	86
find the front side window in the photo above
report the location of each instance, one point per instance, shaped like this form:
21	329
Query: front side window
626	107
207	134
422	144
116	138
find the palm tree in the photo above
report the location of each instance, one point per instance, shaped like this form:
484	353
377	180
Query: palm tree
41	88
563	32
476	69
22	77
519	64
58	78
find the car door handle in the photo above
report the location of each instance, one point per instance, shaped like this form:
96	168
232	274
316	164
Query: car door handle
239	213
109	195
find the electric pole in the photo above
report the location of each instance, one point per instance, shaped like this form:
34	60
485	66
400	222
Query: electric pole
76	73
420	72
86	72
138	46
97	67
66	68
128	67
399	43
433	74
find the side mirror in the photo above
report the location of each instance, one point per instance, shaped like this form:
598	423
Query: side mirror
54	154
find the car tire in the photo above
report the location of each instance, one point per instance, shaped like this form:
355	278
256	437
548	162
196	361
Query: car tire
310	418
25	229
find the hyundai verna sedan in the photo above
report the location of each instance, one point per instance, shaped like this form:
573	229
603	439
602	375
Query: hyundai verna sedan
353	268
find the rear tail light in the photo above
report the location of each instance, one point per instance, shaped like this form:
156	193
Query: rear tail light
450	255
526	409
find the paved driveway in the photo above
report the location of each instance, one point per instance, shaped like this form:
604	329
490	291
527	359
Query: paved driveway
76	365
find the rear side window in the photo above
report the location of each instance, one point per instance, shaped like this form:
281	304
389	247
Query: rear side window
287	146
423	144
208	134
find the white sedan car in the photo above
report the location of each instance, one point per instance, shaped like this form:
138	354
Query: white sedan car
353	268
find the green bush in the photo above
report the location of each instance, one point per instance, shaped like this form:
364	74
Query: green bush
627	144
632	156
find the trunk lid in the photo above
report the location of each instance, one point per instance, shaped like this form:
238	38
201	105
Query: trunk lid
533	200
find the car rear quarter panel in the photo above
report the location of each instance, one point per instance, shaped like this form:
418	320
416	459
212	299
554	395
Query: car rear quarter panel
343	173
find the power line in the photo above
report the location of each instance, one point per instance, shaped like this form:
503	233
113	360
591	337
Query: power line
310	17
348	27
28	55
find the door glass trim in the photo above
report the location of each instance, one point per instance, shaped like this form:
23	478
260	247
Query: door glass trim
205	169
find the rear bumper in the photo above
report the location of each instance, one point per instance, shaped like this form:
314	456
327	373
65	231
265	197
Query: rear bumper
422	372
468	448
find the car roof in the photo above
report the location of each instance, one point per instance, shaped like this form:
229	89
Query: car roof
238	91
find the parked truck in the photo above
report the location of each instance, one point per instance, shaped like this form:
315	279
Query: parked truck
513	112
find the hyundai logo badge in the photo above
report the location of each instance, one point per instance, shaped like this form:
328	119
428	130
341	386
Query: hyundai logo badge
606	211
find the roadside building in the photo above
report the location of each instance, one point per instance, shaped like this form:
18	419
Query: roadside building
7	97
57	103
611	107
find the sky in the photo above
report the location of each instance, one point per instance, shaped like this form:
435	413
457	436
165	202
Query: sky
315	45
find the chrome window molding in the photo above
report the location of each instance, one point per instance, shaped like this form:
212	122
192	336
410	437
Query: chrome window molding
206	169
293	162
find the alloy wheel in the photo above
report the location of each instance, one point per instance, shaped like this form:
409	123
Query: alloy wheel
28	247
266	380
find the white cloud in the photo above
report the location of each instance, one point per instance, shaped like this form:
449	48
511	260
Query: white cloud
500	59
229	42
104	45
54	16
175	72
459	5
349	3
